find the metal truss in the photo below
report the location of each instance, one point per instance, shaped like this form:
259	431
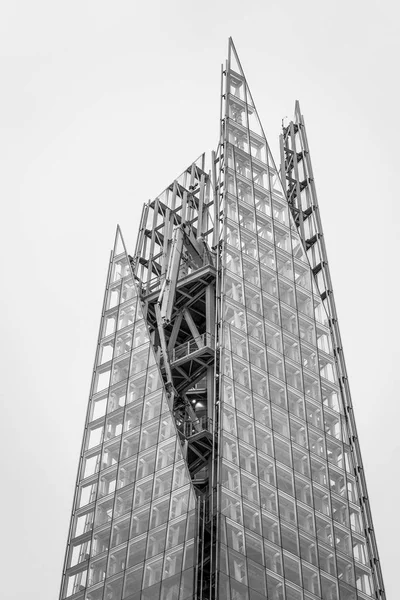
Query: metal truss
176	263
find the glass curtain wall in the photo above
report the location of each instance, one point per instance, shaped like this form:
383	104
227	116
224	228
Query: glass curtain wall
290	525
132	533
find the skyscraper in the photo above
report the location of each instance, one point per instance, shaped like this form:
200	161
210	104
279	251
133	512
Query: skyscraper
220	457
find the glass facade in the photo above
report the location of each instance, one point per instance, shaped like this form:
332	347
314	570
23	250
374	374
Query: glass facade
220	457
291	524
133	526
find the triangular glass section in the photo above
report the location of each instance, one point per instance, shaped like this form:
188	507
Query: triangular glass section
119	246
134	512
284	453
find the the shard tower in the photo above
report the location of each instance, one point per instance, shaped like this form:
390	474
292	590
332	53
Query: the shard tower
220	457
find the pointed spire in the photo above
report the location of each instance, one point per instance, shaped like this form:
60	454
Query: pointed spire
297	112
248	152
240	107
119	244
233	59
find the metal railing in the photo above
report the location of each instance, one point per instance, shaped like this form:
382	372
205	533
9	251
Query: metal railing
201	424
205	340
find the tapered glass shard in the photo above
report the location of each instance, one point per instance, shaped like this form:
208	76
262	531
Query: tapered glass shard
233	59
133	524
119	246
289	524
220	457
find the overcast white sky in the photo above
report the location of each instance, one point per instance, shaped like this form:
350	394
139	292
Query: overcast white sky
102	104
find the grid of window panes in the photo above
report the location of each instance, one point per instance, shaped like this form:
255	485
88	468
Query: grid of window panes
291	526
133	524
